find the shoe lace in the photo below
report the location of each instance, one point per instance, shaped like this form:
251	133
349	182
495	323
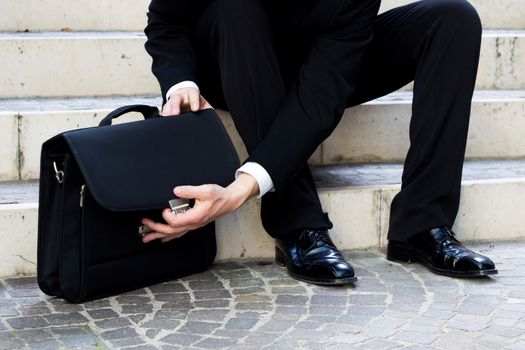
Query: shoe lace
449	231
451	241
454	248
316	236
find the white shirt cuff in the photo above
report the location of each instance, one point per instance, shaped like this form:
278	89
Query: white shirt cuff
182	84
261	176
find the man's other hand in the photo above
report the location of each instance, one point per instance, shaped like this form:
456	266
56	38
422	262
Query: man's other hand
184	100
211	202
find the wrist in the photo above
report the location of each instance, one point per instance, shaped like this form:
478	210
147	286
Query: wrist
243	188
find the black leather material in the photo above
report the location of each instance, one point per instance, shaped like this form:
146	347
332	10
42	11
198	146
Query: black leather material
134	166
113	176
312	257
146	111
440	251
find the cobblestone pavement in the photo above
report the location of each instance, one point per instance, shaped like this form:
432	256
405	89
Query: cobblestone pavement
254	305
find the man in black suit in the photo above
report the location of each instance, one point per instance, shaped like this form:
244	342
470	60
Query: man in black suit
286	70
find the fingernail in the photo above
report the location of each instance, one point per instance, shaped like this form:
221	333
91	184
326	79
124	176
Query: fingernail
177	190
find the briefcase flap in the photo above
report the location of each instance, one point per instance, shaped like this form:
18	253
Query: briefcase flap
135	166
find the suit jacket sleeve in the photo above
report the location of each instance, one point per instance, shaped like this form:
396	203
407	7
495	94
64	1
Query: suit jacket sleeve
168	41
317	100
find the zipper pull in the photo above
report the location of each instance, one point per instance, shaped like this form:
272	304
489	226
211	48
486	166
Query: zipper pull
82	192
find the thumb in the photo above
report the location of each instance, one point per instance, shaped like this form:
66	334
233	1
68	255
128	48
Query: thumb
190	192
205	104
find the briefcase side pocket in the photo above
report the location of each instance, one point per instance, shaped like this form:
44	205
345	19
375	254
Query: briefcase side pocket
51	204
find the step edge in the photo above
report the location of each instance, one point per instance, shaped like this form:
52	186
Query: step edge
112	34
338	189
402	98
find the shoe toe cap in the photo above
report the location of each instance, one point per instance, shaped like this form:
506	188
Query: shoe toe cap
475	263
330	269
342	269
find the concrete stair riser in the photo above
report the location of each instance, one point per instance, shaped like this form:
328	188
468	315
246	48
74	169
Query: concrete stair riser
25	133
378	132
75	64
9	147
18	239
500	64
374	132
501	61
489	210
102	64
53	15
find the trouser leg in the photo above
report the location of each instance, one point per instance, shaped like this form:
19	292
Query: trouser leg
436	43
238	64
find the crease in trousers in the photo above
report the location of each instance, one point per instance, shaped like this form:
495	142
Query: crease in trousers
249	58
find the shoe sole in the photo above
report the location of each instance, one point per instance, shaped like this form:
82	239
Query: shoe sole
324	282
405	255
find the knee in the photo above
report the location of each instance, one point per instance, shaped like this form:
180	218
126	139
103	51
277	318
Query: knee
357	15
455	14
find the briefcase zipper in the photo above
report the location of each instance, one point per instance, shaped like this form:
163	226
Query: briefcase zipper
82	192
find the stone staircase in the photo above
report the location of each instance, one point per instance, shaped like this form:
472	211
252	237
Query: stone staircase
66	65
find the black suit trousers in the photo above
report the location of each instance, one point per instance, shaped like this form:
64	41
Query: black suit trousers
252	58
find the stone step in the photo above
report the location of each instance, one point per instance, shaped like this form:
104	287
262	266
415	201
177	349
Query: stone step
100	15
357	198
75	64
54	64
374	132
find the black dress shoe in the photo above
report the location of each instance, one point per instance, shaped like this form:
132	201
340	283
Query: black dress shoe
312	257
440	251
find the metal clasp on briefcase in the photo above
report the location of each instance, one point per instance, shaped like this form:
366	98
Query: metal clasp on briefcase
59	174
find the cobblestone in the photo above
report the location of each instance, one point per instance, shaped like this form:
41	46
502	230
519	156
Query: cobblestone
393	306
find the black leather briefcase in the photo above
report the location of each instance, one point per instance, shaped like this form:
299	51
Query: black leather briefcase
96	185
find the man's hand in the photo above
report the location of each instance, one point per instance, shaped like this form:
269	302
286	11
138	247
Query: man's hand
184	100
211	202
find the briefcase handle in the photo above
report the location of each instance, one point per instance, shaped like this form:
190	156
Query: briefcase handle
147	111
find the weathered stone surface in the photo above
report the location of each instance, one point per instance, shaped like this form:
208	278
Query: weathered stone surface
394	306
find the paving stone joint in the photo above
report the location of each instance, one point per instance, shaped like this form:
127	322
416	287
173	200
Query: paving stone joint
253	304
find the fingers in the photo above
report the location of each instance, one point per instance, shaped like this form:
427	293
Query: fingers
184	100
179	102
176	225
162	228
152	236
194	100
194	192
172	107
162	231
190	220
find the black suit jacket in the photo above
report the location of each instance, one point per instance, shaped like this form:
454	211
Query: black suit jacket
169	42
341	31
